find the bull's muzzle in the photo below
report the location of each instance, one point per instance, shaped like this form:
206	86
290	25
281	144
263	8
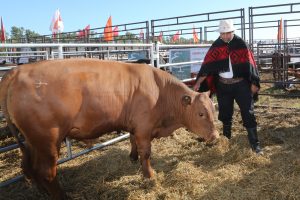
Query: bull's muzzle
212	137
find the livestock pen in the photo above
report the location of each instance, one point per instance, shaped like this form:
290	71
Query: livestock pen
185	167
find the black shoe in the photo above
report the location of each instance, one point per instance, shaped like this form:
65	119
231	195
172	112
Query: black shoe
258	150
227	130
253	140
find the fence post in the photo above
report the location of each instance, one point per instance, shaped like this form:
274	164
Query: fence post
47	56
60	52
156	55
152	54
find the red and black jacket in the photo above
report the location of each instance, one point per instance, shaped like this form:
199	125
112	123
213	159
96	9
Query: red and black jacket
217	61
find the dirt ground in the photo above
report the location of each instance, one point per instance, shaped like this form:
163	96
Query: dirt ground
185	167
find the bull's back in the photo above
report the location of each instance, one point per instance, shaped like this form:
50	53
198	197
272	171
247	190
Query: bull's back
86	94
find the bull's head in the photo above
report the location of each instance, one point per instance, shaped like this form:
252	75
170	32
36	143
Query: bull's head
199	115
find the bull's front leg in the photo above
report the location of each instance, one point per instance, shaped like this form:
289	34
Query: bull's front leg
143	143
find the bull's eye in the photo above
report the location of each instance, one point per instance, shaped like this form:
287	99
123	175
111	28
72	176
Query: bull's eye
201	114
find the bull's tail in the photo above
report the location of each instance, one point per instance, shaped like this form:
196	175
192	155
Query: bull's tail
4	89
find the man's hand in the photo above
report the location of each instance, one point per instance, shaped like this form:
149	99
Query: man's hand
196	86
254	89
198	83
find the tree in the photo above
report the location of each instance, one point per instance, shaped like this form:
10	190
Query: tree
31	34
17	34
67	37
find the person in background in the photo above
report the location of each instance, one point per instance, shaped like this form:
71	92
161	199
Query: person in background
230	71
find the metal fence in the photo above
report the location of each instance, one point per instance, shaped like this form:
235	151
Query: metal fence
260	12
200	22
137	32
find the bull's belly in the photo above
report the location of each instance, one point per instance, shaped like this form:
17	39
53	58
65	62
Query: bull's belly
82	133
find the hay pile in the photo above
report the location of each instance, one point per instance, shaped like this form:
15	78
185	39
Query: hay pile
185	168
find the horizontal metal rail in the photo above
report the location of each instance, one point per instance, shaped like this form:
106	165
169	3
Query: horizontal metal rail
43	45
167	46
24	56
96	146
182	63
22	52
281	70
281	82
278	95
7	68
188	80
9	148
276	107
63	160
102	51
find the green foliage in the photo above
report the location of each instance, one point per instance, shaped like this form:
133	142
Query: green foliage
30	34
17	34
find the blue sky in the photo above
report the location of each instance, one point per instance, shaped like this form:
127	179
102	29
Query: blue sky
36	15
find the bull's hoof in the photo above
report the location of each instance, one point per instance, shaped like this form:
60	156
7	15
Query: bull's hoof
66	197
133	157
41	189
148	173
200	139
61	196
209	145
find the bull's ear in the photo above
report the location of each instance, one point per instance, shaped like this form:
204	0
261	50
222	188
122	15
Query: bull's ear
206	93
186	100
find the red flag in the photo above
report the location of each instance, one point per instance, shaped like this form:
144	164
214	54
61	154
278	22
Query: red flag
2	32
195	36
87	30
116	31
141	34
160	37
108	36
80	34
84	32
176	37
279	33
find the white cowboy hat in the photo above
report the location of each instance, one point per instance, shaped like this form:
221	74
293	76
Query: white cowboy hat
226	26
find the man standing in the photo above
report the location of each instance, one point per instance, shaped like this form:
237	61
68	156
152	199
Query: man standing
229	70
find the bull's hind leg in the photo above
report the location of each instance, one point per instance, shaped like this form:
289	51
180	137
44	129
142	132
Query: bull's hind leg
43	158
133	154
45	167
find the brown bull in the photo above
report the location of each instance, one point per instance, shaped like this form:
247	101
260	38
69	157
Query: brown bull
85	98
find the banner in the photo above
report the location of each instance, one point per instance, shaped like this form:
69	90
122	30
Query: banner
186	55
